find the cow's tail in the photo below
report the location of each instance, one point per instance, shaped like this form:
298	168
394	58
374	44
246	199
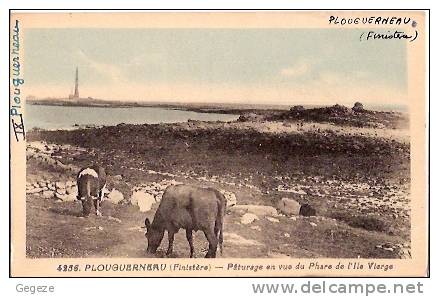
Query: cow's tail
220	221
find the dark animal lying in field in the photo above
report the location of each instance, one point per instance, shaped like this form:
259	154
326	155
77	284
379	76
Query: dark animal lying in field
307	210
91	181
191	208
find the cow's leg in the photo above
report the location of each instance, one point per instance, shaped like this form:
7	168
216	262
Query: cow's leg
97	207
98	211
190	240
171	233
213	242
218	235
101	192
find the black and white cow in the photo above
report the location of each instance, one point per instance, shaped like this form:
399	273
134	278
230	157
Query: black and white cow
91	182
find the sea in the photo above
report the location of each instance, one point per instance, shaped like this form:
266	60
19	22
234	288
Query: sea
52	117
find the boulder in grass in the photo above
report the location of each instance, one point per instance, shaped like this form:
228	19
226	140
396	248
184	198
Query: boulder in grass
34	190
273	220
70	183
248	218
51	186
47	194
72	190
65	197
143	200
60	185
288	206
61	191
115	196
230	198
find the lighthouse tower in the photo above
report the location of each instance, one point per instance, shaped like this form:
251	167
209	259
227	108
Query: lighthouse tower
76	94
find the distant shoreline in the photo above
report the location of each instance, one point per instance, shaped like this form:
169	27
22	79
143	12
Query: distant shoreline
195	107
222	108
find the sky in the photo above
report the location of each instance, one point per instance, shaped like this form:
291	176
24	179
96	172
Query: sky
270	66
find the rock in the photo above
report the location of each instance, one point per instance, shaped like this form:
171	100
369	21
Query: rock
273	220
288	206
34	190
297	108
313	224
248	218
51	186
60	185
47	194
65	197
260	210
358	107
307	210
257	228
70	183
287	235
72	190
115	196
61	191
338	110
143	200
230	197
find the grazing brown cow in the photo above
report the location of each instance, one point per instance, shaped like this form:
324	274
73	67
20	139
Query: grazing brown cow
91	181
191	208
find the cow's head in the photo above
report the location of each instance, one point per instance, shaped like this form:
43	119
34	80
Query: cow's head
154	235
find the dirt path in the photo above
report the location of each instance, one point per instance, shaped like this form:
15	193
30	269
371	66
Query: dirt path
56	229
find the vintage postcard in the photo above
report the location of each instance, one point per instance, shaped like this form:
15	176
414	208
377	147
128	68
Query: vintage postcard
218	143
